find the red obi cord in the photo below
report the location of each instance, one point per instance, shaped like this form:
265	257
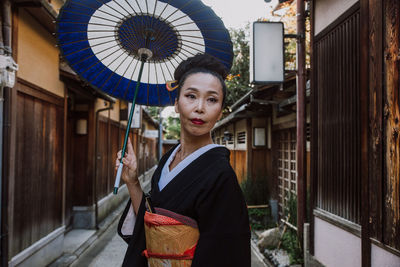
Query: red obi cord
187	255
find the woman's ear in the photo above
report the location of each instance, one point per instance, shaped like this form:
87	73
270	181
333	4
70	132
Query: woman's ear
220	115
176	105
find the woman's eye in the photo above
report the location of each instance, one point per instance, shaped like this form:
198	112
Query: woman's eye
213	100
190	96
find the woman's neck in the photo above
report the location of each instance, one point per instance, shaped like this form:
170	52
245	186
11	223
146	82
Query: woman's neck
189	144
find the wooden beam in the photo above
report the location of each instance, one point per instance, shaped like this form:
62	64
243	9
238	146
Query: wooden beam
301	123
364	116
391	151
313	130
375	117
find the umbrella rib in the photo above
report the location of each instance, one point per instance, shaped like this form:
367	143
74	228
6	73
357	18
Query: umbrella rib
208	48
178	9
83	49
131	37
134	11
112	72
97	62
141	12
86	39
122	8
154	12
88	23
130	80
210	39
95	9
123	75
148	85
158	90
189	14
147	7
162	20
106	4
187	51
207	30
93	16
166	42
194	22
172	76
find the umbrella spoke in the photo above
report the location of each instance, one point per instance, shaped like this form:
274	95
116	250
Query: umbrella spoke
176	10
112	73
80	4
122	76
86	15
107	5
134	11
209	39
131	79
187	15
86	48
148	79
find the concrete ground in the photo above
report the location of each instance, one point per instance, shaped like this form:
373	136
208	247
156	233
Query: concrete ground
109	250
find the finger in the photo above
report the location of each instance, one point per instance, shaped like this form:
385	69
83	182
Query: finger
119	154
130	147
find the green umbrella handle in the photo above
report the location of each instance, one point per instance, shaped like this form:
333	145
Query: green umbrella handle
128	127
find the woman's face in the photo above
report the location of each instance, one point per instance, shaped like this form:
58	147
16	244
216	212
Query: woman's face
199	103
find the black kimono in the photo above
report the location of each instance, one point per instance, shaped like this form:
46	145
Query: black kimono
207	191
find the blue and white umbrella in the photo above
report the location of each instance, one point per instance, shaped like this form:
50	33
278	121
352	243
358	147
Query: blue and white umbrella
129	49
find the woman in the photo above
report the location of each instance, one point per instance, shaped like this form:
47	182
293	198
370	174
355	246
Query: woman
194	178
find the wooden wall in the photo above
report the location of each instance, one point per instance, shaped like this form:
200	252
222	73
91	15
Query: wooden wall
337	57
384	116
239	164
37	207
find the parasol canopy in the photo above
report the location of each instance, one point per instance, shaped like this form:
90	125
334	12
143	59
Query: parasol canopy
104	40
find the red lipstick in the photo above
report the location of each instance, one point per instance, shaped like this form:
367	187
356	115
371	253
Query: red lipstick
197	121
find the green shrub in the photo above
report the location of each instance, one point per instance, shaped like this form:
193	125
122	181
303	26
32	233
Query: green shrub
291	244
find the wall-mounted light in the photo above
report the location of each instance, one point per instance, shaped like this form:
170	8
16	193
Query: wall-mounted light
227	136
81	126
259	137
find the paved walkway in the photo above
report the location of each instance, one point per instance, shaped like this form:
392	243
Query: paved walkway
109	250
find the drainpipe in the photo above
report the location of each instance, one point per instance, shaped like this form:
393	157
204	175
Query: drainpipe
5	48
96	207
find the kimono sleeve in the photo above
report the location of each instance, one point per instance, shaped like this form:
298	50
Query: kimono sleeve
128	221
223	224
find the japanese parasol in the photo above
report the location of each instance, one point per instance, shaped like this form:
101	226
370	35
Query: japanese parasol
129	49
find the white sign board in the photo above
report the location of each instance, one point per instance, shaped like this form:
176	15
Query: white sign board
266	53
151	133
137	118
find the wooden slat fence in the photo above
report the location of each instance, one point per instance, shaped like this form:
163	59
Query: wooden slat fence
337	82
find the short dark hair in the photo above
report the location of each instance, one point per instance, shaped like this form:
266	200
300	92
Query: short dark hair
201	63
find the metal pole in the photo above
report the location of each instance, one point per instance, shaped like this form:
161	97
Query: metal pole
301	121
94	184
6	35
128	126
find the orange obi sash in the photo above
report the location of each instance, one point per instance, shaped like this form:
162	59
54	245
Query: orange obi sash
171	238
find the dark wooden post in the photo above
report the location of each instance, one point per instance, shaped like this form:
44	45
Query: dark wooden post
364	91
301	122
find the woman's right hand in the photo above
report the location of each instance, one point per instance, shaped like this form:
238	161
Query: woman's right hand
129	170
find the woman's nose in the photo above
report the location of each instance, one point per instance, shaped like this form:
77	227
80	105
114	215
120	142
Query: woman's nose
200	106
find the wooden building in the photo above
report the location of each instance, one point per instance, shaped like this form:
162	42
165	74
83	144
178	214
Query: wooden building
60	143
355	149
261	135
